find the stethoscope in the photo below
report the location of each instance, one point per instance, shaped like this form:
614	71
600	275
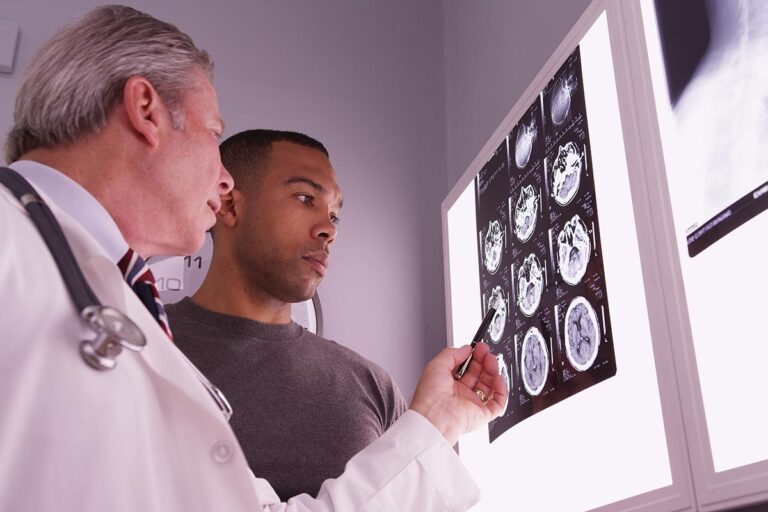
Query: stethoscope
113	330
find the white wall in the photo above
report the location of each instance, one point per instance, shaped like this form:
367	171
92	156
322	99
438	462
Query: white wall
365	78
493	50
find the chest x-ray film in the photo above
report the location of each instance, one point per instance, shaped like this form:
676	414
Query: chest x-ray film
709	64
543	220
715	56
539	247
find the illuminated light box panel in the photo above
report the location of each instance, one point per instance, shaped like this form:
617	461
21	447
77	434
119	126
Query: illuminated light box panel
714	147
547	220
704	126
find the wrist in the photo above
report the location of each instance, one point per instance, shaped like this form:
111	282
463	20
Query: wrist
445	422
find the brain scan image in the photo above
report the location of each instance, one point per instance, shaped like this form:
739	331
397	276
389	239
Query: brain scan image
573	248
526	209
503	370
560	102
535	361
526	136
496	329
494	241
582	334
530	284
566	171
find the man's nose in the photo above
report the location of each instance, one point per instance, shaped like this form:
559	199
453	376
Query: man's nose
326	230
226	181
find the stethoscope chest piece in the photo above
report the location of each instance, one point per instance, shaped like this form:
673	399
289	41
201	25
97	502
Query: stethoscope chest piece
114	332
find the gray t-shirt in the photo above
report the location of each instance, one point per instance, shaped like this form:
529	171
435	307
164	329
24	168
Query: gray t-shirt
303	405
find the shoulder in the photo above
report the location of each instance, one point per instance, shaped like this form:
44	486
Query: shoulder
376	383
27	272
13	214
354	361
343	352
26	264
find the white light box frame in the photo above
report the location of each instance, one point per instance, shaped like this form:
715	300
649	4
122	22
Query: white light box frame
636	456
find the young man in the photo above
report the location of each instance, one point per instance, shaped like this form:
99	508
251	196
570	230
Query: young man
303	405
116	127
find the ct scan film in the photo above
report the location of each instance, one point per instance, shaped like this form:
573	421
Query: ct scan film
539	253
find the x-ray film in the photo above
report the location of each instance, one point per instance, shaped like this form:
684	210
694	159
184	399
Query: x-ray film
718	102
492	221
539	248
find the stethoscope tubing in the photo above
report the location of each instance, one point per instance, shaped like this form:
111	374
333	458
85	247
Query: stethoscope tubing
53	236
101	352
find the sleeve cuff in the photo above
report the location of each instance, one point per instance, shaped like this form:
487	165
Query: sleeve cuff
438	460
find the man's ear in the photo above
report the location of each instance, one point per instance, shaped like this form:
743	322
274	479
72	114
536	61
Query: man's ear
230	205
144	109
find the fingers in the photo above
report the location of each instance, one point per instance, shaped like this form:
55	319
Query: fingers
492	386
458	355
472	375
491	378
479	364
482	392
483	375
481	350
498	401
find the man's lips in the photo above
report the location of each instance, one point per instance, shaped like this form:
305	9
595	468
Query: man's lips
319	261
215	206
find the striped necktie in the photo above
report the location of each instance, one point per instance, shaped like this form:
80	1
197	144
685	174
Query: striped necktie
140	278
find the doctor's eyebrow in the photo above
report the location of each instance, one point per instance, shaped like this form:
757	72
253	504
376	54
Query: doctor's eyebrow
312	183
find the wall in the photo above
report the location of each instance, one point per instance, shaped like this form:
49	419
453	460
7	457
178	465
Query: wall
366	79
493	50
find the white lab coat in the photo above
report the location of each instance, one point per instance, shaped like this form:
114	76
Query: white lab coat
146	436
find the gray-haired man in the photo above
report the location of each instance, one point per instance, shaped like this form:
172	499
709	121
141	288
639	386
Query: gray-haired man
117	128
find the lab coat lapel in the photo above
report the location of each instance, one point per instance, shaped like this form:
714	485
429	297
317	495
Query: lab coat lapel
109	285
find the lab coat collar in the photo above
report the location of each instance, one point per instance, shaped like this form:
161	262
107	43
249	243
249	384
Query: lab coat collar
78	203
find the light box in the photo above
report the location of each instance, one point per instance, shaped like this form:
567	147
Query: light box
584	426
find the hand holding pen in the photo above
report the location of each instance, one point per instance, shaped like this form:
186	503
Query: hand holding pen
458	406
461	370
461	389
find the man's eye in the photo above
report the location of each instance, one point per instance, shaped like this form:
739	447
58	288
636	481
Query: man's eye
335	220
305	198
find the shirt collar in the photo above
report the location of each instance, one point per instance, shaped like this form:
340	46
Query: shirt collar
78	203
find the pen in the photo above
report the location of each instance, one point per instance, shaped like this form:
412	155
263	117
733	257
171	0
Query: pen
478	336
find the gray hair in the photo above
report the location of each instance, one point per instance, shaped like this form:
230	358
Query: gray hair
78	76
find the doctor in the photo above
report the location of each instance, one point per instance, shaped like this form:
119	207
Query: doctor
117	126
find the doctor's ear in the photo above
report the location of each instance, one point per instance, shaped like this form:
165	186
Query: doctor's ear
144	109
227	214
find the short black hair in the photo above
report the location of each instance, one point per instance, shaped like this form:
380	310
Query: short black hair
244	154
